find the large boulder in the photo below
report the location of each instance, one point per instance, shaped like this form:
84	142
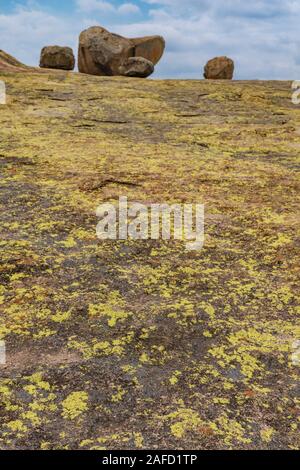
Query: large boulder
104	53
219	68
101	52
136	67
57	57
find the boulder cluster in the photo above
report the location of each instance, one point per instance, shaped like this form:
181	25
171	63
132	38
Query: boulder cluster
103	53
107	54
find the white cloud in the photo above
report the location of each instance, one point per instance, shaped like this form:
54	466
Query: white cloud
128	8
254	8
24	32
261	36
94	5
104	6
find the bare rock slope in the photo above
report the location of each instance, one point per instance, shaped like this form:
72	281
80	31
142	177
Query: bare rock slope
9	63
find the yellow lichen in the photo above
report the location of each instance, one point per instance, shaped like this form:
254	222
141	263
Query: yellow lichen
74	405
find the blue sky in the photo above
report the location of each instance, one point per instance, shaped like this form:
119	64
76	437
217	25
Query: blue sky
262	36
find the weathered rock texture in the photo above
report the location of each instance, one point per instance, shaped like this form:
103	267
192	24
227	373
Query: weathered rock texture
219	68
57	57
136	67
103	53
149	47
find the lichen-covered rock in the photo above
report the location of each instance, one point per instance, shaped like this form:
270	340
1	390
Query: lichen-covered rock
136	67
104	53
196	349
219	68
57	57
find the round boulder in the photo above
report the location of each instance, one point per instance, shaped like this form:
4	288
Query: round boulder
136	67
219	68
57	57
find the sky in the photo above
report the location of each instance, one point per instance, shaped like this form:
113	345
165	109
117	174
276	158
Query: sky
261	36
